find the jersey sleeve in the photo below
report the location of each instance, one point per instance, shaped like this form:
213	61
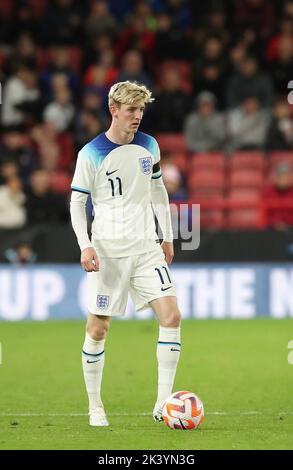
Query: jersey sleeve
83	179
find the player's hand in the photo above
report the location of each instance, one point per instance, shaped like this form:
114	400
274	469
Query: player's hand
89	260
168	251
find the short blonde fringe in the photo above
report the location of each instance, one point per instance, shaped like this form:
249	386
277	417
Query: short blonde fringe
129	93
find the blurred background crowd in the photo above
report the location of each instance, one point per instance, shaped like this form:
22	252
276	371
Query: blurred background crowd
220	71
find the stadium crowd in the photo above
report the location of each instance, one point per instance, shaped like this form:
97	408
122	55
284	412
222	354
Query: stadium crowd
219	71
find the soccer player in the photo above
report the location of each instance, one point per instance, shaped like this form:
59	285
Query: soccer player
120	169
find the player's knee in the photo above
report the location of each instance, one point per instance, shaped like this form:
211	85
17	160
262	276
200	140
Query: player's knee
99	330
173	319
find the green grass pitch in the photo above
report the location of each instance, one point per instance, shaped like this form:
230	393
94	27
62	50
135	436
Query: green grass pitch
239	369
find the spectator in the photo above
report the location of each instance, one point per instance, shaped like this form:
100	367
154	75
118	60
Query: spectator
24	51
287	8
132	68
105	68
247	126
107	61
215	24
171	42
211	78
174	184
49	155
87	127
237	54
142	11
136	36
96	78
59	65
12	198
280	190
249	81
16	147
23	21
99	45
173	181
21	253
92	102
171	105
43	206
181	12
258	14
281	68
60	112
204	129
286	32
61	22
20	89
120	9
280	131
99	21
213	50
8	170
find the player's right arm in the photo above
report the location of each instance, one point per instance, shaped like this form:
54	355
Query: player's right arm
81	186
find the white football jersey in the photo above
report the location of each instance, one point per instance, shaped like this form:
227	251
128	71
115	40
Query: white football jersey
118	178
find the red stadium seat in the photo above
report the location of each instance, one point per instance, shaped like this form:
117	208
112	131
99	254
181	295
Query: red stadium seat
206	194
244	219
247	160
245	194
211	179
246	179
212	219
210	160
172	142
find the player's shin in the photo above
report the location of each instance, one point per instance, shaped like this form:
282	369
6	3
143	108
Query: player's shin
168	353
93	358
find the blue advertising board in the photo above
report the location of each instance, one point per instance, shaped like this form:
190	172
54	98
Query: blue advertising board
42	292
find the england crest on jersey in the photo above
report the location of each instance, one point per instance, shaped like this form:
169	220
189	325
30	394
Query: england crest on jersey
146	165
102	301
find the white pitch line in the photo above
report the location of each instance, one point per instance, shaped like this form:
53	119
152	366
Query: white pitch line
211	413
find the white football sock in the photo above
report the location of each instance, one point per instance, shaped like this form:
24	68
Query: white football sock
93	358
168	353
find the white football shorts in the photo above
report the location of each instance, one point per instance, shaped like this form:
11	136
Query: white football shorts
145	277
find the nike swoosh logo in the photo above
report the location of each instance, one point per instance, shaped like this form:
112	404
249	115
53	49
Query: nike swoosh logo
165	288
173	349
90	362
108	173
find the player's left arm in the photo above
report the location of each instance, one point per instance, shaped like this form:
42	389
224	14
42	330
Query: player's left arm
160	203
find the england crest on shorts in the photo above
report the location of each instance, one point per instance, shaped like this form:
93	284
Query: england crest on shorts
102	301
146	165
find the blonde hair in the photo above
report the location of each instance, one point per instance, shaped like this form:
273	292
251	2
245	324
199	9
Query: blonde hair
129	93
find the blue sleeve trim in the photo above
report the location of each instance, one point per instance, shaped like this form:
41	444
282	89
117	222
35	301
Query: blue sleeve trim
95	355
80	190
